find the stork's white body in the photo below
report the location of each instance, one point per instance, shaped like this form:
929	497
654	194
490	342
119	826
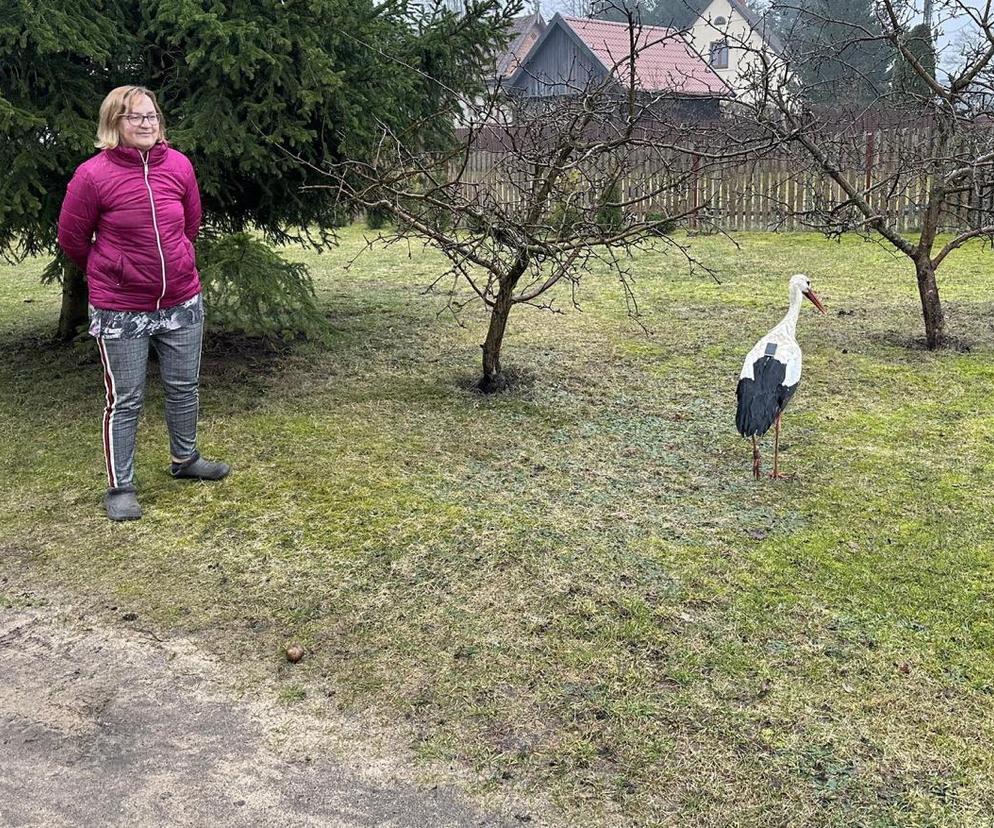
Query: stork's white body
787	351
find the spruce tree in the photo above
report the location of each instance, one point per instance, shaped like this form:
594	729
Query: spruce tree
248	88
57	61
907	84
674	14
836	47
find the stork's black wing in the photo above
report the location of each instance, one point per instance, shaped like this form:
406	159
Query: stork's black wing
763	398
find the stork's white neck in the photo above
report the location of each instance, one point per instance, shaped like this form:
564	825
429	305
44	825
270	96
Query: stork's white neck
788	324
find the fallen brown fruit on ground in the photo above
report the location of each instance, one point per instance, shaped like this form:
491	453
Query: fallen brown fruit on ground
294	653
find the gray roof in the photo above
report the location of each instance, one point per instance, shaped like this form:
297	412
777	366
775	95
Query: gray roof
509	60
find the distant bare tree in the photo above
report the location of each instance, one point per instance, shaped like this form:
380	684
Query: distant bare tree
942	177
574	8
566	184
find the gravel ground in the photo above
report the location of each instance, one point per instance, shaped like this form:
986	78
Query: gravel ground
108	727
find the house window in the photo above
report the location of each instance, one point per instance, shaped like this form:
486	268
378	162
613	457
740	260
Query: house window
720	21
719	54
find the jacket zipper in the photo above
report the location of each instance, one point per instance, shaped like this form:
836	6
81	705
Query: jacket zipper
155	226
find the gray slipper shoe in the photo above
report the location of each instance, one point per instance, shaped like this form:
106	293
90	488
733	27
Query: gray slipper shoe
197	468
122	503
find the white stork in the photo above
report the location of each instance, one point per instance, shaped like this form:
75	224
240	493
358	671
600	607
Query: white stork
770	376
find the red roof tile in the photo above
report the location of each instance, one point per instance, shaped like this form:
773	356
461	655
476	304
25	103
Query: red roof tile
664	62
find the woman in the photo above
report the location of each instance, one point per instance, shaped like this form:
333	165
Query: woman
129	219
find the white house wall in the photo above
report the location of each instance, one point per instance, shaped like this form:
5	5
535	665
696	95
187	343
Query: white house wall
743	44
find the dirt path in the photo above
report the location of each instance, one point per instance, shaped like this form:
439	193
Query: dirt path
112	727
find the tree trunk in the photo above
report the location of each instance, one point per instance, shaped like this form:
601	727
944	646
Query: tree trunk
492	380
928	290
74	298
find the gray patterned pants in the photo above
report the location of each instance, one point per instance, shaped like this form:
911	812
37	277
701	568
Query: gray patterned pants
125	362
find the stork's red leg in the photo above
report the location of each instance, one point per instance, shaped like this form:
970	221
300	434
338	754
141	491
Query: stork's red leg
776	449
756	471
776	455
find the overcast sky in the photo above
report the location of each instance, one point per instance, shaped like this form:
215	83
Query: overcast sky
953	30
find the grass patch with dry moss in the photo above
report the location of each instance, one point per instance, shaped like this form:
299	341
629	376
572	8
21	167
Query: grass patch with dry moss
574	587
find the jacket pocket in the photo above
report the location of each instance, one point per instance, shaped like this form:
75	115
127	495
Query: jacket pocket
119	270
105	269
190	263
180	262
126	275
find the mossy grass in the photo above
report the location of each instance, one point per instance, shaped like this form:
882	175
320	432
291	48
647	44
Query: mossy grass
574	587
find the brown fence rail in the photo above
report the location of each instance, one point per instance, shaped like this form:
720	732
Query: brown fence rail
891	168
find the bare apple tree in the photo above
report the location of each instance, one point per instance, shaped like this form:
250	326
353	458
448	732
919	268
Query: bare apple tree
903	152
542	185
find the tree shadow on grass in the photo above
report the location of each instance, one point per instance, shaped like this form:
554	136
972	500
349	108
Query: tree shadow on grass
238	371
968	328
955	344
513	380
37	370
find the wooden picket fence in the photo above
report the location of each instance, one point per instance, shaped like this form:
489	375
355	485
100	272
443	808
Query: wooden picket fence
886	166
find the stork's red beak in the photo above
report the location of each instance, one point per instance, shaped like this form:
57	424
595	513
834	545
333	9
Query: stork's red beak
814	300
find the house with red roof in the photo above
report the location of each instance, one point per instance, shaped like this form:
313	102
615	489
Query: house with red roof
733	39
576	53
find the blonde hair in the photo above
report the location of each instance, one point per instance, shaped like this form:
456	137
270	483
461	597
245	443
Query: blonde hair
116	104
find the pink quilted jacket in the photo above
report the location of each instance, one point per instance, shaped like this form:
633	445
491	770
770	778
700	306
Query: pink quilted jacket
144	209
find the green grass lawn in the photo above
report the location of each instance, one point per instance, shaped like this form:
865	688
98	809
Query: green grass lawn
574	588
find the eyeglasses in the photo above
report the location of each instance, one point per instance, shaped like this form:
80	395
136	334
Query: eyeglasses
135	119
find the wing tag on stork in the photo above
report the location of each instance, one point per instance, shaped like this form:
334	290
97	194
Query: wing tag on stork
771	348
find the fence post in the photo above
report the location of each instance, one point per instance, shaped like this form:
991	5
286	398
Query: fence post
695	169
870	146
